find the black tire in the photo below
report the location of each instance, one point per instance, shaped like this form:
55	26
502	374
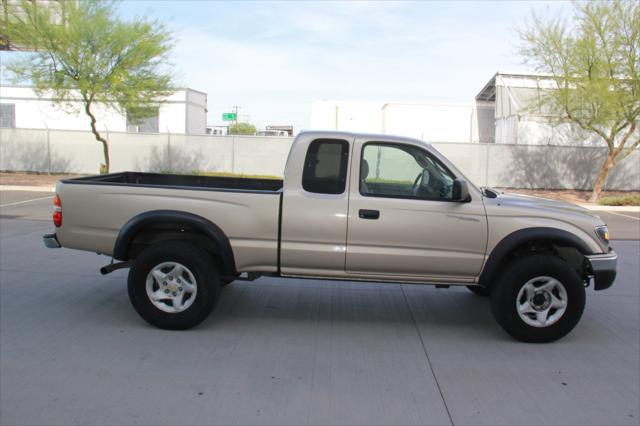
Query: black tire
479	290
206	281
504	296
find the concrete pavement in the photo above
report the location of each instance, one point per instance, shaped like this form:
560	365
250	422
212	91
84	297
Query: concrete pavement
73	351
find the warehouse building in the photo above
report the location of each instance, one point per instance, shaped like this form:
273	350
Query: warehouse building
505	111
518	118
427	121
183	112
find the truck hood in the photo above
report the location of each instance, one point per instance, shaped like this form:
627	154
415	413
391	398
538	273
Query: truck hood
537	203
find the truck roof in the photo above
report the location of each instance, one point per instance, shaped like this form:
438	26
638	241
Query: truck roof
372	136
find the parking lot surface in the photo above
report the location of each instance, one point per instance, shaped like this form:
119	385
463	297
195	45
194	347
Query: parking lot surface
275	351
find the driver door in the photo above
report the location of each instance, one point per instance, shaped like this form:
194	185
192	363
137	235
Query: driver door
402	222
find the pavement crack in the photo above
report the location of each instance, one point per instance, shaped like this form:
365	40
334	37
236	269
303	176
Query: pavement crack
426	354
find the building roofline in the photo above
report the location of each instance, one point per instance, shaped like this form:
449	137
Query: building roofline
192	90
487	93
391	103
29	86
487	86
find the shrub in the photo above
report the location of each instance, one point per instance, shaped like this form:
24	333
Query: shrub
621	200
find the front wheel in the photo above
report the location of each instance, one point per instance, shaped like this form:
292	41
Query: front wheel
173	285
538	298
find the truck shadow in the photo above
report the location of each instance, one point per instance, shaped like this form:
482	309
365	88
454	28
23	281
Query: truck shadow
270	302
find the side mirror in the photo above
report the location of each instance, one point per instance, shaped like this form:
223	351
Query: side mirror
460	191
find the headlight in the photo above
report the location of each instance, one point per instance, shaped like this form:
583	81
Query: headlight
603	233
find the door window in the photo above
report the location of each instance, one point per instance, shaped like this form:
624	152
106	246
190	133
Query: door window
403	171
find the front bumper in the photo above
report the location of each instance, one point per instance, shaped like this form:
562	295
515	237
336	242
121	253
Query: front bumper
51	241
604	269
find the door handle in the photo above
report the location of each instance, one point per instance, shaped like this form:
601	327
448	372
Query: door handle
369	214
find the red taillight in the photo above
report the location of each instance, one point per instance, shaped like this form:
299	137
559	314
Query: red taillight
57	218
57	211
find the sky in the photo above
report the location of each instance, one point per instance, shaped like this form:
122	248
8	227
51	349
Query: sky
275	58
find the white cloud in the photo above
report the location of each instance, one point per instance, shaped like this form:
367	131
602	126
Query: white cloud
283	56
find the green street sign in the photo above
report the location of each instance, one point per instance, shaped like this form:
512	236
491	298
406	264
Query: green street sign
228	116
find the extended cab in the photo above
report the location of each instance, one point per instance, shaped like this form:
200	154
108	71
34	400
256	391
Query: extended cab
351	207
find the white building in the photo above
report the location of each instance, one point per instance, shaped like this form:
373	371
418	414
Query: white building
183	112
427	121
217	130
504	112
518	118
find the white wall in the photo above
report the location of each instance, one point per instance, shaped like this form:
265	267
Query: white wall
427	121
518	166
33	112
433	123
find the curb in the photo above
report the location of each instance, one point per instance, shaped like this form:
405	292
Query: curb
635	209
27	188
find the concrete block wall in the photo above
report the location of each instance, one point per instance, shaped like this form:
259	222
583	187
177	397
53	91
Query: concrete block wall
499	165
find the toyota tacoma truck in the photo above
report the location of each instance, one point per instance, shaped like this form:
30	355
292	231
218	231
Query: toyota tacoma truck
373	208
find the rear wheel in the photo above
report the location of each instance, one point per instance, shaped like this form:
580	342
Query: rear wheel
173	285
479	290
538	298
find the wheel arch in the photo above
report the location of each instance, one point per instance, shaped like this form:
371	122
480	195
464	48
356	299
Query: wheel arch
157	225
505	249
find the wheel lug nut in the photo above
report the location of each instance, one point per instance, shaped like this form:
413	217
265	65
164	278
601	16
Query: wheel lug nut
180	288
170	278
164	283
174	293
166	291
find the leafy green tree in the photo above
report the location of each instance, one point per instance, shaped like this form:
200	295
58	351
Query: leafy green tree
87	51
242	129
594	62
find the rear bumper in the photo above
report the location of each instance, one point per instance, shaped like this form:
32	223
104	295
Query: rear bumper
51	241
604	269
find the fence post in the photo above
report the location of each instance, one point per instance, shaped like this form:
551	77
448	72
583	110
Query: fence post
233	153
106	129
48	151
169	151
486	165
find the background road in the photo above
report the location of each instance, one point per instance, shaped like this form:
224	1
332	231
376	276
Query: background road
72	350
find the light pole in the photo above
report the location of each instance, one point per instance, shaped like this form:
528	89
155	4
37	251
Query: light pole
235	111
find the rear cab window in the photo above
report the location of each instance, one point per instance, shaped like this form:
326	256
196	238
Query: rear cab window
325	166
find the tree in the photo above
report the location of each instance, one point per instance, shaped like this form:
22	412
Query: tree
242	129
93	55
594	64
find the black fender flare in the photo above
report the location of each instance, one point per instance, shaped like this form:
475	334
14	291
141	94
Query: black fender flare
505	247
210	230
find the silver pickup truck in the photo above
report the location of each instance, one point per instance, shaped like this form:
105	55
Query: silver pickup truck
351	207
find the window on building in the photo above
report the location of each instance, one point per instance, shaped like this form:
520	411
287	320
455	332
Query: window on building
8	115
325	166
150	124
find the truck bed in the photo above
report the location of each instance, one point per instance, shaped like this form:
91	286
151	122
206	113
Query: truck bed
215	183
96	208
